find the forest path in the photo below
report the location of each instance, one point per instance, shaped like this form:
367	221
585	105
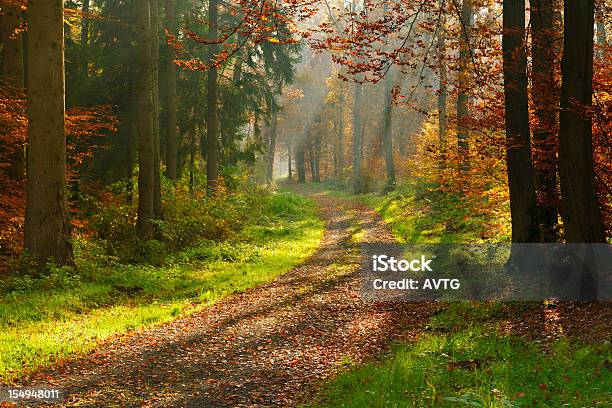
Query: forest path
269	346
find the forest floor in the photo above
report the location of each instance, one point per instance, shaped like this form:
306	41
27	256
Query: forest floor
267	346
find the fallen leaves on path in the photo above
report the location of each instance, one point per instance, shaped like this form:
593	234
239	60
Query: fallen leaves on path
268	346
275	344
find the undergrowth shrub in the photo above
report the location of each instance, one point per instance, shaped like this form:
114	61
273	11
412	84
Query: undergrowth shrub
189	219
221	251
53	277
286	205
106	229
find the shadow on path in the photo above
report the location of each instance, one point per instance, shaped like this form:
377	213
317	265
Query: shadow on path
268	346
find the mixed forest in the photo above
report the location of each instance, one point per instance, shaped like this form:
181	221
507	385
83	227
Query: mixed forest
166	163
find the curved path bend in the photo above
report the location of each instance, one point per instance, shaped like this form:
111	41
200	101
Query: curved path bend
272	345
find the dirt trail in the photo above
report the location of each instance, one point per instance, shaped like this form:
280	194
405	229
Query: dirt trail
269	346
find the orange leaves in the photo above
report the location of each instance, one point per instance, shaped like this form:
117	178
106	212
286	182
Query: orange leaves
257	22
85	128
482	185
602	131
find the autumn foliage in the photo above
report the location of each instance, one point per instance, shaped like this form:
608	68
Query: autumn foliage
86	131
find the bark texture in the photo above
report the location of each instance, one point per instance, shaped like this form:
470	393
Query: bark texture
47	227
157	206
146	137
523	207
581	213
289	158
545	96
300	158
271	148
357	141
443	85
212	124
171	125
467	17
387	131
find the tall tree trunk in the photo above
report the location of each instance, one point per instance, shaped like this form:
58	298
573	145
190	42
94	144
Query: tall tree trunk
212	124
317	159
155	23
271	148
129	154
146	136
467	16
13	74
171	125
83	66
340	134
357	140
289	158
581	213
336	149
192	150
443	91
300	160
47	228
545	95
311	160
387	131
518	145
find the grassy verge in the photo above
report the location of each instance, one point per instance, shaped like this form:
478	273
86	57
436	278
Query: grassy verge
464	359
475	366
44	320
418	214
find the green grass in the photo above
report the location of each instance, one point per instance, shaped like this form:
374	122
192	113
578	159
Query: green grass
419	215
463	359
45	320
477	367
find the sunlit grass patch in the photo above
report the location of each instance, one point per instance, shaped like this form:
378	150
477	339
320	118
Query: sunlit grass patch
462	358
477	367
40	325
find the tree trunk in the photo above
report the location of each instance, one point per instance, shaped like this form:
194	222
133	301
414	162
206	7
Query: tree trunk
13	74
340	135
545	95
443	91
171	125
387	131
311	160
301	163
317	159
289	168
192	151
581	213
129	154
463	78
212	124
83	74
336	149
271	148
518	148
157	207
47	228
146	137
357	140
